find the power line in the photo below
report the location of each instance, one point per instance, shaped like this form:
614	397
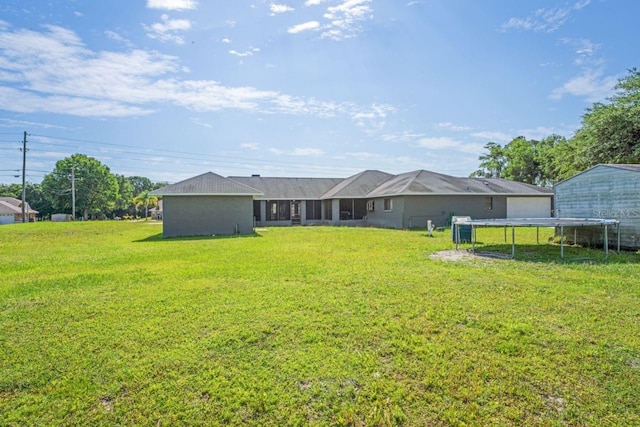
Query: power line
199	155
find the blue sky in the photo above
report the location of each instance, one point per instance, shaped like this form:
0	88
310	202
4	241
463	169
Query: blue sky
169	89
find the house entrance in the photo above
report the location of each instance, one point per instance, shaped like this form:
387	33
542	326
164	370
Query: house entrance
295	212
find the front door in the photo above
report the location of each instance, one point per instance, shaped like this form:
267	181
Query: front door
295	212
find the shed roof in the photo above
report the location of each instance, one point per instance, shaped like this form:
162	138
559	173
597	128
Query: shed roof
422	182
626	167
288	188
207	184
358	185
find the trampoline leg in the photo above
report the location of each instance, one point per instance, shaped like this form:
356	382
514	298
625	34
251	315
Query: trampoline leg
606	243
562	242
513	242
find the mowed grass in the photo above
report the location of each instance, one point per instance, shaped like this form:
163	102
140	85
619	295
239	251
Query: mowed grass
106	323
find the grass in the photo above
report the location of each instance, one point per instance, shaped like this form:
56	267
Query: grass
106	323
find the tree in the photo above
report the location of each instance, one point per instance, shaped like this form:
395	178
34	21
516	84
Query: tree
521	161
96	188
610	133
492	163
145	199
123	204
140	184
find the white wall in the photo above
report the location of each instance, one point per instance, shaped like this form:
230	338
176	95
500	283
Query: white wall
6	219
528	207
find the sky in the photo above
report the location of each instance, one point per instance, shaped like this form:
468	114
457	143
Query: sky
170	89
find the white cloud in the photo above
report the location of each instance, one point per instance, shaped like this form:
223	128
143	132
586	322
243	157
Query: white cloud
172	4
165	30
199	122
314	152
545	20
117	37
311	25
52	71
254	146
345	19
226	40
249	52
493	136
452	127
591	84
279	8
22	123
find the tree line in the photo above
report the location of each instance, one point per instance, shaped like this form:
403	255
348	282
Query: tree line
98	192
609	133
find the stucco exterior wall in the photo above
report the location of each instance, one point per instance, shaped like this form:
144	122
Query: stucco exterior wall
207	215
392	218
601	192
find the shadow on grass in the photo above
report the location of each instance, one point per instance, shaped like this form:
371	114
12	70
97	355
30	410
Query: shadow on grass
158	238
551	253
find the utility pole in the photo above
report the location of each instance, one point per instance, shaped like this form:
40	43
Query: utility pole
24	171
73	194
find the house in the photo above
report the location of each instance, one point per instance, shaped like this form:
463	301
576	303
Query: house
156	211
411	199
309	201
604	191
369	198
289	201
207	205
11	211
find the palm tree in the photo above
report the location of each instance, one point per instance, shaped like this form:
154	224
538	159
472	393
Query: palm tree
145	199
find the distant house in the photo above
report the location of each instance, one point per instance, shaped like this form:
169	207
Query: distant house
11	211
369	198
156	211
604	191
207	205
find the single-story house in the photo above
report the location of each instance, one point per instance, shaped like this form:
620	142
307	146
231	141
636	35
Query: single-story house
11	211
604	191
206	205
156	211
369	198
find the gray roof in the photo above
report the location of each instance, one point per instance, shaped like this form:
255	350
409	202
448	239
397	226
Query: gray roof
366	184
423	182
207	184
358	185
289	188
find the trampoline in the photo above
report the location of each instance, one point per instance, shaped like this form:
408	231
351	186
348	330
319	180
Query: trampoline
560	223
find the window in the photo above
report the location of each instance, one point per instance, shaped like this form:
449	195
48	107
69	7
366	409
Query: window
371	205
488	203
256	210
278	210
314	209
388	204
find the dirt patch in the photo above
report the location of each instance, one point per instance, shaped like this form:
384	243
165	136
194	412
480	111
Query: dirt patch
458	255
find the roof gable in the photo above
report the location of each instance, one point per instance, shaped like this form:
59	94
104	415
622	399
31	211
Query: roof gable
207	184
422	182
358	185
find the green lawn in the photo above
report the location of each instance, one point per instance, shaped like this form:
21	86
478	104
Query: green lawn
106	323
